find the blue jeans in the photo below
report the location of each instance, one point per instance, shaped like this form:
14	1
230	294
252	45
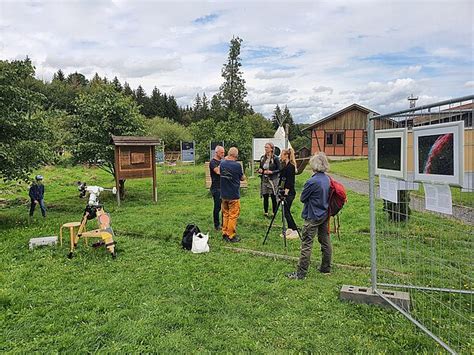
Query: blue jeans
42	207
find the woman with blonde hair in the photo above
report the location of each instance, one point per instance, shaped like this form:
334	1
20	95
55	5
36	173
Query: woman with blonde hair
269	170
287	174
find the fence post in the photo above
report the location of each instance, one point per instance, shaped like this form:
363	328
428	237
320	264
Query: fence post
373	242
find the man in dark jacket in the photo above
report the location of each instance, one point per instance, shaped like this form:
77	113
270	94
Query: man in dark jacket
315	197
37	195
216	184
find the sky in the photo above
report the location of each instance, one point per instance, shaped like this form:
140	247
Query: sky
316	57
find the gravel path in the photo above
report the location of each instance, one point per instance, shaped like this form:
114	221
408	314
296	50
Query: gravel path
464	214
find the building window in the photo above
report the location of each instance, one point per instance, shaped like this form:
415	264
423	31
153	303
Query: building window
467	117
329	138
339	138
366	138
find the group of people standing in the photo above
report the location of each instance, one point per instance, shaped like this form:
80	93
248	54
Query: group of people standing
276	173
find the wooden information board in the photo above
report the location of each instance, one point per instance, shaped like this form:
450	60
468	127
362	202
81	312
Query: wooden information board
135	159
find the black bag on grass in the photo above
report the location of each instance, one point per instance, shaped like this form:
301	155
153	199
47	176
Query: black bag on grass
187	241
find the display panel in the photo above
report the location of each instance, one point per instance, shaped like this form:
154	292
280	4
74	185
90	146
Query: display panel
390	152
438	153
259	146
390	156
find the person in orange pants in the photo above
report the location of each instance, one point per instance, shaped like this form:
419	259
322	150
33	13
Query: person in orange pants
231	175
231	212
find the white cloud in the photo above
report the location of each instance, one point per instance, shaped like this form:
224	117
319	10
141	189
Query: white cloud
410	70
324	56
274	74
323	89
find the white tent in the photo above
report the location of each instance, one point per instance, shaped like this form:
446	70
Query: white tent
279	140
280	133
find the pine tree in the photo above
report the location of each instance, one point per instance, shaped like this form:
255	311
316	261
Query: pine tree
127	90
217	111
77	80
204	106
277	118
232	92
96	80
164	106
173	109
116	84
59	76
197	108
155	102
288	120
142	100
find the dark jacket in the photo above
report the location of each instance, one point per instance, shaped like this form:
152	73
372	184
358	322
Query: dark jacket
315	196
288	172
274	166
231	175
36	191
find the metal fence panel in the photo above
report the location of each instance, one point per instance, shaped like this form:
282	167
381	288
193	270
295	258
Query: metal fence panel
425	253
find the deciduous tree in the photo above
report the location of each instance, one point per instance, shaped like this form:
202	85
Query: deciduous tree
23	136
101	113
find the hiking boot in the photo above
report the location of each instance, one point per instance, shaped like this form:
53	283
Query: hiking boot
234	239
295	276
225	238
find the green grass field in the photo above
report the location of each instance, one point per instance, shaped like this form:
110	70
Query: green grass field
155	297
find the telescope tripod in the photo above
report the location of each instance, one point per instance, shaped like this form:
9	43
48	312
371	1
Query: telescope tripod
282	204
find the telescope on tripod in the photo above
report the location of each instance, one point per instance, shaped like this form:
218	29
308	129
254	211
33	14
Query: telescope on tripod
279	192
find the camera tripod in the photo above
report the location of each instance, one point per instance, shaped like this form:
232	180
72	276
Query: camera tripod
282	204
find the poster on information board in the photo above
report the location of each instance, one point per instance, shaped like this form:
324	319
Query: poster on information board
187	152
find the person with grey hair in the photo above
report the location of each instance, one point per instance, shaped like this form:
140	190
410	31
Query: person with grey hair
315	197
216	184
231	175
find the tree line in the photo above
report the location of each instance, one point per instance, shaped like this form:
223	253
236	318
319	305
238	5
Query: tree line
71	116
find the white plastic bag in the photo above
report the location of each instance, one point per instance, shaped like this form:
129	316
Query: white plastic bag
200	243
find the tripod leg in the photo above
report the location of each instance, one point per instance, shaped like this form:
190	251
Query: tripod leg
271	223
283	224
299	234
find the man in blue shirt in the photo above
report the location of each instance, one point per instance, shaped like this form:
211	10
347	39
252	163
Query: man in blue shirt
36	194
231	175
315	197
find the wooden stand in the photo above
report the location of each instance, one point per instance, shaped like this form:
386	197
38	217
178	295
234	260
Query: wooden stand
135	159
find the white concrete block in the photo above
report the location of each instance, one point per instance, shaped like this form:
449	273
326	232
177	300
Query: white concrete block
34	242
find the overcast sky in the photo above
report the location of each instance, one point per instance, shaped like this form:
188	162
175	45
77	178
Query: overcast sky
314	56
